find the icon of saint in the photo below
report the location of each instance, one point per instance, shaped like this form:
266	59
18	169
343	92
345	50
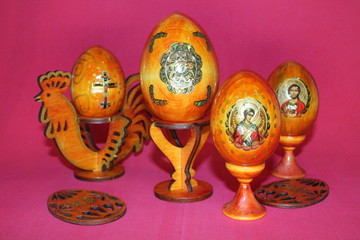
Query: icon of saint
246	132
294	107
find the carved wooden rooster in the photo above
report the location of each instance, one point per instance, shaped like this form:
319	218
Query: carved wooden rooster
127	130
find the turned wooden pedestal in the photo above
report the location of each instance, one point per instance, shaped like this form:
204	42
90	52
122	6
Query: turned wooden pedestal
288	167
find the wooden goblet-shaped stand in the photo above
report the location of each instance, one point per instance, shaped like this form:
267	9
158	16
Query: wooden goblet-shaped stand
245	125
179	77
183	187
298	98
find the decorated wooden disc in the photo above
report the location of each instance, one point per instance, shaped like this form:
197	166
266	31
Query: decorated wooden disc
294	193
85	207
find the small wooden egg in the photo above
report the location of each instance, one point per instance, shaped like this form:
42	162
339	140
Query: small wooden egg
98	84
179	71
298	97
245	120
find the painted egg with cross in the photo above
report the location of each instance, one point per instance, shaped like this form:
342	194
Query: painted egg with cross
179	71
245	119
98	84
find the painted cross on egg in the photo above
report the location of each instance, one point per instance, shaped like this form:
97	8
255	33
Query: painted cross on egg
105	84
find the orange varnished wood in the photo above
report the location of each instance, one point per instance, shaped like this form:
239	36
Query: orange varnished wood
85	207
126	130
295	122
179	79
176	106
183	187
245	125
202	191
90	68
244	206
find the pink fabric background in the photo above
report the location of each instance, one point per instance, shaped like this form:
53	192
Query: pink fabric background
41	36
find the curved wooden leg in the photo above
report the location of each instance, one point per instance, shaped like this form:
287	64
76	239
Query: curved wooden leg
183	187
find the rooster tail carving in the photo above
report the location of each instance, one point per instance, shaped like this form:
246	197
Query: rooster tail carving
135	109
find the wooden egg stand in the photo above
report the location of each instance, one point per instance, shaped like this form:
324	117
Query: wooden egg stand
244	205
288	167
127	129
114	171
183	188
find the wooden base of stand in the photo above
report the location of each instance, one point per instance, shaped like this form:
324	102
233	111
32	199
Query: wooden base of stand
201	192
98	176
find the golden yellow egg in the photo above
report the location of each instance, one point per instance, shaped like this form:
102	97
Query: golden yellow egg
298	97
245	120
98	84
179	72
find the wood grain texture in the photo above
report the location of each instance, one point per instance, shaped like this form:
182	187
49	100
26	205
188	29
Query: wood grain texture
298	98
179	71
293	193
245	125
182	158
85	207
98	83
127	130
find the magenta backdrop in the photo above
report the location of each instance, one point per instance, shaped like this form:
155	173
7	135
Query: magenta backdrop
41	36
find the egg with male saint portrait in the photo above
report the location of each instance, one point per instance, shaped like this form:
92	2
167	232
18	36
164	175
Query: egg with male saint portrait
298	97
179	71
245	119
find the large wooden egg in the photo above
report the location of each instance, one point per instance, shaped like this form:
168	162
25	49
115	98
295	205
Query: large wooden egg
98	84
179	72
245	120
297	95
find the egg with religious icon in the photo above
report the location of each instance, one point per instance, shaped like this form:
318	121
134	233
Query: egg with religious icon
179	71
298	97
245	119
98	83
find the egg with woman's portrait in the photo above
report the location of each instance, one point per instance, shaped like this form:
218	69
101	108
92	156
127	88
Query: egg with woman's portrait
179	72
245	119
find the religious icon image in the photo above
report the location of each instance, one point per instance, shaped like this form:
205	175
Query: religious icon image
294	97
247	124
181	68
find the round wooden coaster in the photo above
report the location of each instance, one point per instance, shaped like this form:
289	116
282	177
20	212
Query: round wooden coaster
201	192
295	193
85	207
98	176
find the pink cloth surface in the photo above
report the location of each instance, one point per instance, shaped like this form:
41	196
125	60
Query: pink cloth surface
41	36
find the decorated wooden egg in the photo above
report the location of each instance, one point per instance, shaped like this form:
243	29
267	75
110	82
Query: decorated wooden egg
245	120
179	72
98	84
298	97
